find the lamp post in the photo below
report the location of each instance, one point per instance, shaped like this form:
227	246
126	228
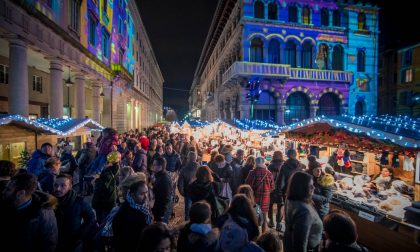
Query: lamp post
68	84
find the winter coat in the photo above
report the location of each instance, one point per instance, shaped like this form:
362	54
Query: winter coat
335	247
208	191
323	194
173	162
106	143
245	172
237	173
4	181
71	212
252	231
37	162
197	239
225	174
150	155
162	189
105	192
140	161
69	158
274	168
127	226
261	181
186	176
287	170
303	227
46	180
85	159
33	228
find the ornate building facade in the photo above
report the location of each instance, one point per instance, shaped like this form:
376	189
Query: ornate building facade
79	58
294	59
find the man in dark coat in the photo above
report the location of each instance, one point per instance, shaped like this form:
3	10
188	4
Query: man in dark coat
27	217
140	159
36	164
133	216
289	167
237	165
163	191
71	212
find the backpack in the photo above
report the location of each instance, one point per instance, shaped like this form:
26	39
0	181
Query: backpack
232	236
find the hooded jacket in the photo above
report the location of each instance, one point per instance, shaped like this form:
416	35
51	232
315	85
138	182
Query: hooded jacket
37	162
33	228
287	170
207	191
197	239
323	194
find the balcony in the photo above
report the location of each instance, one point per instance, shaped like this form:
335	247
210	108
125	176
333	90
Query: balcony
320	75
120	69
246	70
252	69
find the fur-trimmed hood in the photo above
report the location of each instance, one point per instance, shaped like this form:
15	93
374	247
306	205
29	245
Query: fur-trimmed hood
44	200
326	180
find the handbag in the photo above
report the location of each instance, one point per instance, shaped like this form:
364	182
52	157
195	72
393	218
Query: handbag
226	191
219	203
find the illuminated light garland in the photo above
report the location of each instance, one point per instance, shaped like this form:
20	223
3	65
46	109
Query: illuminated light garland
58	126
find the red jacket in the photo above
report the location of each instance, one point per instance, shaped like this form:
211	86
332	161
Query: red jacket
144	142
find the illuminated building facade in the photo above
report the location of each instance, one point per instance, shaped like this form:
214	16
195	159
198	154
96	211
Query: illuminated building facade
298	58
78	58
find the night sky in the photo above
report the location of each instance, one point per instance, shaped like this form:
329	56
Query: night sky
178	29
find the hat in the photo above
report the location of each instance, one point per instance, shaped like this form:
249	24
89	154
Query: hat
227	149
260	162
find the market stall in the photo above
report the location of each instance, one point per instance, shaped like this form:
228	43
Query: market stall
377	174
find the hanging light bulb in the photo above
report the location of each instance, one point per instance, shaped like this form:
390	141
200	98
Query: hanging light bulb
68	82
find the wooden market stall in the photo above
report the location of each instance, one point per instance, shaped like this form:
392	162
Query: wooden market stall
379	228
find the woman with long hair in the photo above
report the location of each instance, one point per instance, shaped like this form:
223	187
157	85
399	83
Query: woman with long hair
303	225
275	196
249	166
249	193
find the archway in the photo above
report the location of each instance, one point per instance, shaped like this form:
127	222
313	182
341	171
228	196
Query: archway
265	107
297	108
329	104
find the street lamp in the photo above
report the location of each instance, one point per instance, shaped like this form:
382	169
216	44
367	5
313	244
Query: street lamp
69	84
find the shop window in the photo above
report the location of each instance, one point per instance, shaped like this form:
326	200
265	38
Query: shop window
4	74
259	9
37	83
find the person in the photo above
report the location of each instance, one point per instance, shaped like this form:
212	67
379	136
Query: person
341	233
69	163
122	148
127	159
249	166
275	196
303	225
107	143
85	158
223	170
186	176
238	227
48	175
237	165
151	153
261	181
247	190
75	217
132	217
162	189
289	167
144	142
213	154
27	217
156	238
198	235
105	192
37	162
140	159
270	242
7	171
323	191
383	181
204	188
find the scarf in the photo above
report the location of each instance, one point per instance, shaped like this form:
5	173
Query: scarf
142	208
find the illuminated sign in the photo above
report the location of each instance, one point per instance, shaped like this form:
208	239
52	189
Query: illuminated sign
331	38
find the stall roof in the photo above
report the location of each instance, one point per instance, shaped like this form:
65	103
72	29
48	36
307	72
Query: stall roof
25	123
68	126
375	130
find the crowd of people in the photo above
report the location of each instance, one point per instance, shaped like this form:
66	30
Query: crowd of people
118	194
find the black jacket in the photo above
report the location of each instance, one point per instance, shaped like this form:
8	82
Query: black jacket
208	191
105	193
162	189
195	241
140	161
225	174
69	158
186	176
127	226
71	212
287	170
237	166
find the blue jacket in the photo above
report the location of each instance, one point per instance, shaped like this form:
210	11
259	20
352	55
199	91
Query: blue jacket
46	180
173	162
36	164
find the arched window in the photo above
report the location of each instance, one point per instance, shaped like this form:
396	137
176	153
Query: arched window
274	51
338	58
297	108
272	11
293	13
265	108
322	58
306	15
290	53
359	108
257	50
336	18
361	21
259	9
361	59
307	52
329	104
325	17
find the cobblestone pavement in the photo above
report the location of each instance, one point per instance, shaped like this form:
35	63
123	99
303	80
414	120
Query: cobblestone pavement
179	213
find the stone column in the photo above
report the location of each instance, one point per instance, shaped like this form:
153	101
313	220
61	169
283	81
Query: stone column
106	115
280	114
133	115
56	90
18	84
313	110
80	96
96	102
